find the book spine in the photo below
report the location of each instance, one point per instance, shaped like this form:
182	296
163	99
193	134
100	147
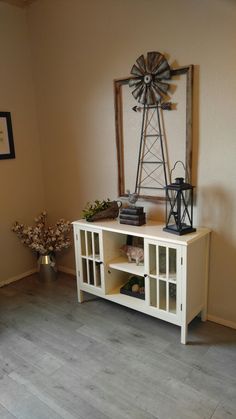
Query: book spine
134	211
133	222
132	217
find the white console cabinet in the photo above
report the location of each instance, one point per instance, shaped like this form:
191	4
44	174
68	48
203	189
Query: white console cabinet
175	268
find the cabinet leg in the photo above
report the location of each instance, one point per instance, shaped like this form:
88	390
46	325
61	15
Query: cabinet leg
80	296
203	315
184	332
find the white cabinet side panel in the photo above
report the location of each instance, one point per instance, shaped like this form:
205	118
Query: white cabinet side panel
197	258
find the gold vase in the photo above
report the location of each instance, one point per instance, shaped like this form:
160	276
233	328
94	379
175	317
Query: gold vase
47	268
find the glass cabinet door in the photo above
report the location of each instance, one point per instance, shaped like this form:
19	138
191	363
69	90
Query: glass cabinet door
91	258
163	270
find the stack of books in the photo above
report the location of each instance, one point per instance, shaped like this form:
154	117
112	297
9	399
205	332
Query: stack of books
132	216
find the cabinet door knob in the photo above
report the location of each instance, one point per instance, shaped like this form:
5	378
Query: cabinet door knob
145	275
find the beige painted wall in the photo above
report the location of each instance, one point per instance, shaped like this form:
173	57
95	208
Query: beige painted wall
21	178
78	48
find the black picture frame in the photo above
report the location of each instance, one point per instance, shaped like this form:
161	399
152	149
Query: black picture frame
7	149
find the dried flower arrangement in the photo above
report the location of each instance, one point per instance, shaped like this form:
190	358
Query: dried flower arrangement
44	239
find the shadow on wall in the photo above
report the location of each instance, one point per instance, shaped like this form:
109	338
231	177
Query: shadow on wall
216	212
216	209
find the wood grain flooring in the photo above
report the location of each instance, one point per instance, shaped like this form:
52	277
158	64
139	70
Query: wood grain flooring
98	360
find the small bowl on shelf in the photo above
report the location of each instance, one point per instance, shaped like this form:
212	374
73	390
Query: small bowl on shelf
134	287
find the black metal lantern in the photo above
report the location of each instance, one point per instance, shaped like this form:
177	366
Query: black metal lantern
179	207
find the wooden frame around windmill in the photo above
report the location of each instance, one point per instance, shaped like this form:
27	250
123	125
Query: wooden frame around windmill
118	84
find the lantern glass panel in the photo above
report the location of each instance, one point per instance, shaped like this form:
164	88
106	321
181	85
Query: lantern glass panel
179	208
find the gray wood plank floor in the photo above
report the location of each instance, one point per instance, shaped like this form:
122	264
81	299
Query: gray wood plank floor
98	360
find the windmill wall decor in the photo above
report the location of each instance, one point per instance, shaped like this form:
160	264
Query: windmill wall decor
150	90
143	157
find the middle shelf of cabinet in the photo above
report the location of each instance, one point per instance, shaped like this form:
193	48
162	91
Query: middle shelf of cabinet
121	263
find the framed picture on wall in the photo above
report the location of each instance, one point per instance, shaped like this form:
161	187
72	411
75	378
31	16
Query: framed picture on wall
7	150
177	133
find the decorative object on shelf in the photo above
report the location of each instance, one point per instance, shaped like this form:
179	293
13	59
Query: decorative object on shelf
45	241
133	253
100	210
134	287
7	150
136	241
132	197
179	206
132	216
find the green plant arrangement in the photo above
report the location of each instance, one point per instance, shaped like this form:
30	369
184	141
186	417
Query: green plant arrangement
100	210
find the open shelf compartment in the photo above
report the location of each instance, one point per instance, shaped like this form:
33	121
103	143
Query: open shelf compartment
116	284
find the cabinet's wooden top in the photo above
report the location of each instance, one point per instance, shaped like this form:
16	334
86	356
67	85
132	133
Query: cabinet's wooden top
151	230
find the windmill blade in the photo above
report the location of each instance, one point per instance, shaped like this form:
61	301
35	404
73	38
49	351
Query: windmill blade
134	82
136	71
159	90
153	97
152	58
162	66
141	63
138	91
163	87
142	98
155	93
160	59
164	75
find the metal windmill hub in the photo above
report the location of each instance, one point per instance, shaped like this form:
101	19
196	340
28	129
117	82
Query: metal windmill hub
147	78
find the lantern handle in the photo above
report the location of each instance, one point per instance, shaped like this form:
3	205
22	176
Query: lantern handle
186	173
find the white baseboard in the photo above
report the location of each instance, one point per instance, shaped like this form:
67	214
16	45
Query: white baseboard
33	271
17	277
219	320
67	270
